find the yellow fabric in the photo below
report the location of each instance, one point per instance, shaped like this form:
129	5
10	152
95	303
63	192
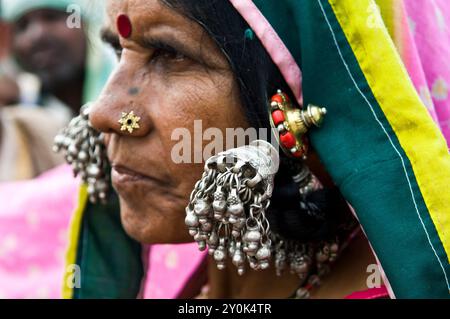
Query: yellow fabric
419	137
387	11
75	227
393	15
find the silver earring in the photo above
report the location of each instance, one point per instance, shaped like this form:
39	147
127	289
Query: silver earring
227	208
83	148
227	214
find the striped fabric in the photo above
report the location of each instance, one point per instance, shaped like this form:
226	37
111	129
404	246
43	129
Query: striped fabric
421	33
378	142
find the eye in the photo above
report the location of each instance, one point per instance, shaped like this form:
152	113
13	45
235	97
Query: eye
21	25
168	55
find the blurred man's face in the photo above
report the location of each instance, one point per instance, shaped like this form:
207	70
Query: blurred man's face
43	44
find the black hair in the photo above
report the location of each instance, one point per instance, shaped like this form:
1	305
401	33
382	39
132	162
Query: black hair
291	216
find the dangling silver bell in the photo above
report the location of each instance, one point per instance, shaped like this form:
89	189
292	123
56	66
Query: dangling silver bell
219	203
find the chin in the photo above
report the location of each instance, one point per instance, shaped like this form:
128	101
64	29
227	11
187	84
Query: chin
151	227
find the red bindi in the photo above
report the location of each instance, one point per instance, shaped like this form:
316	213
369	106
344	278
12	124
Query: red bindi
124	25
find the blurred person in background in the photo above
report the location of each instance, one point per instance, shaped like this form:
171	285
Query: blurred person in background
4	39
9	90
54	66
71	66
43	44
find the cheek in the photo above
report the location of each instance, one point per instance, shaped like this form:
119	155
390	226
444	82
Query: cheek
73	41
78	40
194	106
211	99
20	45
154	228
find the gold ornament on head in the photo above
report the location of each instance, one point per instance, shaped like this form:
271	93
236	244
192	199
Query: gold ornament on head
293	124
129	122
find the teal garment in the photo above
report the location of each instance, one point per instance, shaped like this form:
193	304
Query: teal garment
110	261
357	153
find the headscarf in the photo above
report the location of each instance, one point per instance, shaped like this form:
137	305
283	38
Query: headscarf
378	142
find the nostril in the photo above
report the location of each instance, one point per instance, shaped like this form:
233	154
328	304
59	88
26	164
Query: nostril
97	118
107	138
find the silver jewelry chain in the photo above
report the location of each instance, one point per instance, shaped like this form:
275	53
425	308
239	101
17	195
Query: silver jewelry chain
227	215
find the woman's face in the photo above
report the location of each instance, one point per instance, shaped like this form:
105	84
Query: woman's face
170	74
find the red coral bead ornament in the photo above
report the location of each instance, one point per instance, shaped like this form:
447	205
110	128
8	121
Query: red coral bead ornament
288	140
278	98
278	117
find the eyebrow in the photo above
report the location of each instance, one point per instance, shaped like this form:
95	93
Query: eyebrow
169	44
151	43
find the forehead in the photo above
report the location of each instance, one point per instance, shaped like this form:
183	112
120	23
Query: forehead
133	6
144	13
153	18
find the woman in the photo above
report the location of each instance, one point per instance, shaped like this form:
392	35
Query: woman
223	63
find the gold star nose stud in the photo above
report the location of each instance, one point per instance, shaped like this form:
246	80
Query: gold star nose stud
129	122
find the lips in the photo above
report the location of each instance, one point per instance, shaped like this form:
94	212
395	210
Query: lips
124	177
129	174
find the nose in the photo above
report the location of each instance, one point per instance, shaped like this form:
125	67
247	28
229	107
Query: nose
120	109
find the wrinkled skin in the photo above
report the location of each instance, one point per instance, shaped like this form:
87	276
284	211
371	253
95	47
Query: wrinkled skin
168	80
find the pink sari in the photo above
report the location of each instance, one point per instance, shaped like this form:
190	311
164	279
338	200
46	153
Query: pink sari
421	32
34	219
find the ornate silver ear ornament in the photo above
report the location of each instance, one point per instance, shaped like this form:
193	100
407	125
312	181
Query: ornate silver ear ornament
83	148
227	213
227	209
